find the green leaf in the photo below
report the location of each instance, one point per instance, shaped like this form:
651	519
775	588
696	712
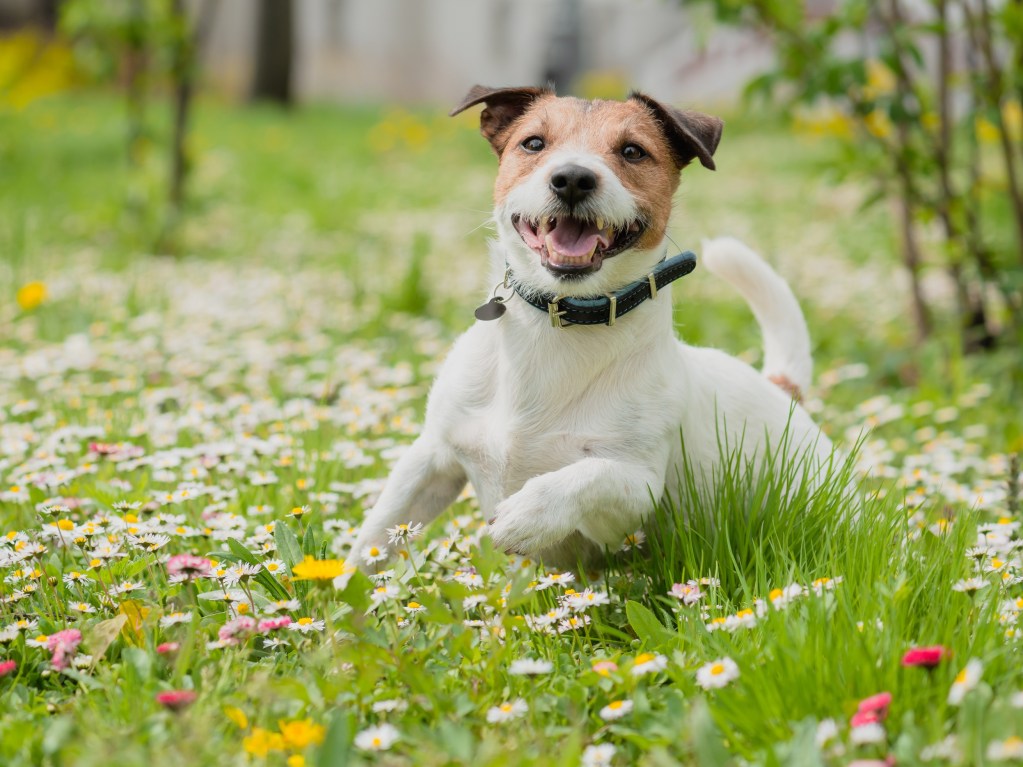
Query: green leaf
287	545
647	627
707	745
57	733
241	552
272	585
356	593
309	542
337	744
102	635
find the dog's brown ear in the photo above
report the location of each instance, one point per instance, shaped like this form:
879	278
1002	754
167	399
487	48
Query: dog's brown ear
692	135
503	107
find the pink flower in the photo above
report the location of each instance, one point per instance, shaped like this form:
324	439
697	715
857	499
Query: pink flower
63	645
927	657
877	704
187	567
872	710
272	624
168	647
8	667
688	593
233	632
861	718
176	700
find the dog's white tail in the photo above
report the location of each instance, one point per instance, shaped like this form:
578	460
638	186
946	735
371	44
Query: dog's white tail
787	358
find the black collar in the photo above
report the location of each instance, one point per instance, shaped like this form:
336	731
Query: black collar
604	310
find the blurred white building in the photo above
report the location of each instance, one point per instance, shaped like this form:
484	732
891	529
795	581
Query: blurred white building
434	50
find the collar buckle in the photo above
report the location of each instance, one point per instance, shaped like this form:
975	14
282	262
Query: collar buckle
556	313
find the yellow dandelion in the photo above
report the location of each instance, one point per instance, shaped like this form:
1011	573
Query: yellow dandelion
301	733
31	295
311	569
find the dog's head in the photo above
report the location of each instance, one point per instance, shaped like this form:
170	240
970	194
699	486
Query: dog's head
584	190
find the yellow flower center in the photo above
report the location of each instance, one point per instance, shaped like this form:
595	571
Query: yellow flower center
615	705
717	669
644	658
66	524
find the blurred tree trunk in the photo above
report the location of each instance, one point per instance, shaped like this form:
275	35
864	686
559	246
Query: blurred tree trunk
136	65
188	41
271	79
564	47
49	14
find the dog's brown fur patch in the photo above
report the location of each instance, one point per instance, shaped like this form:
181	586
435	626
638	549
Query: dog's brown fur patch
600	128
787	386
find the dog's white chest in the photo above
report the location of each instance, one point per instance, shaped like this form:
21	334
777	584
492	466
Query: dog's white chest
500	448
516	413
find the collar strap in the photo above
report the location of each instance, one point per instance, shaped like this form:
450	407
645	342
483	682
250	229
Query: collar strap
604	310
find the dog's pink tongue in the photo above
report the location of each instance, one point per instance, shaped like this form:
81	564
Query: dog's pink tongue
575	238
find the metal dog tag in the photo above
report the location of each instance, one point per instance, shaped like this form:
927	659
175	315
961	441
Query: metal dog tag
491	310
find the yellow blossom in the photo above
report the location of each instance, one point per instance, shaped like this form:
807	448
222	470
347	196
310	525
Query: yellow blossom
261	742
1012	119
237	716
878	124
301	733
880	80
987	131
31	295
311	569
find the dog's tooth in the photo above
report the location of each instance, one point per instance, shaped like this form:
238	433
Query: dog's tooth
600	223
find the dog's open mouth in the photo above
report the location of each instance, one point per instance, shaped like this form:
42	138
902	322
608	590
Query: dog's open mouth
570	246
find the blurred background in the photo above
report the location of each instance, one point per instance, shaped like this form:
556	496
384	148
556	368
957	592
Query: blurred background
872	149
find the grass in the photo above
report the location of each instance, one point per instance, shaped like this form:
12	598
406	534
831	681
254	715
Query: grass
244	400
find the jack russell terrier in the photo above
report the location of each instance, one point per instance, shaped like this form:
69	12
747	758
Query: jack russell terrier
567	403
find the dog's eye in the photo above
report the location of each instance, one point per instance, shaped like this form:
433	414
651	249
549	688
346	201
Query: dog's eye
633	152
533	144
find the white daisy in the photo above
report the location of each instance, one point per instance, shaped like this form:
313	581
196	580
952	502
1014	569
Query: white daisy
530	667
965	681
512	709
648	663
616	710
717	673
598	755
379	738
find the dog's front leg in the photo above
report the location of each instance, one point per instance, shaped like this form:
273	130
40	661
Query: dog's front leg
424	482
604	499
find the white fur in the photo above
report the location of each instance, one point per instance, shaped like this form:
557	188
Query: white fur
569	434
786	339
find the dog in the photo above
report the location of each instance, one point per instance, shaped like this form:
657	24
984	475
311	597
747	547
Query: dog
567	403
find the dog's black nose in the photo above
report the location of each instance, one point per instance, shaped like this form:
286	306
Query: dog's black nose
573	183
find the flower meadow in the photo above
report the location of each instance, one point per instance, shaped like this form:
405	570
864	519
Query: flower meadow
187	447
